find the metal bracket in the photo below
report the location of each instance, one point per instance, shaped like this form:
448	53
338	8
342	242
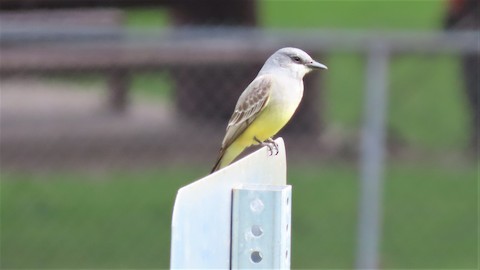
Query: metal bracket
261	231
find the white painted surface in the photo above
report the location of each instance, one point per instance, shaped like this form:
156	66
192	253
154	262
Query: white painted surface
201	222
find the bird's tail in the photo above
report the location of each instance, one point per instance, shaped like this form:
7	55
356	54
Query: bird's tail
226	156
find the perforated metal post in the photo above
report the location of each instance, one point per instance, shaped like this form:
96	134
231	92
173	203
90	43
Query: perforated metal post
202	216
261	230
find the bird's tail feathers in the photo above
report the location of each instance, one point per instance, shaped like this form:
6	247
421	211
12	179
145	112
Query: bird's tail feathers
226	156
216	167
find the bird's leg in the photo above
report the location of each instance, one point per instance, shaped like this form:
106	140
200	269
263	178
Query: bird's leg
270	144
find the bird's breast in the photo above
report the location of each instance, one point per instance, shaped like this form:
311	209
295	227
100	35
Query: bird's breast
286	100
283	102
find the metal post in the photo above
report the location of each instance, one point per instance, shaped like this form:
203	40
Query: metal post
203	215
261	217
372	158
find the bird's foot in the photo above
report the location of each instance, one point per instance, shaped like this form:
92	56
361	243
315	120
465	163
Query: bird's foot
270	144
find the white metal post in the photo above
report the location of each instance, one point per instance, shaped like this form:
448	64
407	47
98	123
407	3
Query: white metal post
202	216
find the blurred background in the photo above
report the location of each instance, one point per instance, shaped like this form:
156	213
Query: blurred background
108	107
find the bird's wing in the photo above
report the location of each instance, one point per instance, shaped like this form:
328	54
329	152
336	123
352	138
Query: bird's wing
252	101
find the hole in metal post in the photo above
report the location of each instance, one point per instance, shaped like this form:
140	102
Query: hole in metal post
286	254
257	230
286	227
256	256
257	206
288	200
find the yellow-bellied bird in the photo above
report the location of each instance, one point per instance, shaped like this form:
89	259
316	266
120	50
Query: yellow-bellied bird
267	104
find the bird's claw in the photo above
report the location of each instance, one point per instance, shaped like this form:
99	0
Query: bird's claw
271	145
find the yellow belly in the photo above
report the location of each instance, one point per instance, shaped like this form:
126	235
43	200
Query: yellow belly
267	124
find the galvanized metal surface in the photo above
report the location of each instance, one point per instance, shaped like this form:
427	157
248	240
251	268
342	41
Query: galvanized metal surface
261	227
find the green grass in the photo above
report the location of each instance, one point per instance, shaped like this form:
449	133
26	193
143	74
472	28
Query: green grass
431	218
352	14
122	219
142	18
64	220
426	103
344	96
156	85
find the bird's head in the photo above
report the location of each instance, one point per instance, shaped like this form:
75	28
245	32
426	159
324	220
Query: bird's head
292	61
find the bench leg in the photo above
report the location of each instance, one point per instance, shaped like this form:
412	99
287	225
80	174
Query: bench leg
118	85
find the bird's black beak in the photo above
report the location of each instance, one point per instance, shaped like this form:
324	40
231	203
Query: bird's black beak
316	65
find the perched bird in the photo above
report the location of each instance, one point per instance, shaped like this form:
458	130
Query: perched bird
267	104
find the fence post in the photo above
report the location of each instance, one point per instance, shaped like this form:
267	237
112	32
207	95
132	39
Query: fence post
214	216
118	86
372	157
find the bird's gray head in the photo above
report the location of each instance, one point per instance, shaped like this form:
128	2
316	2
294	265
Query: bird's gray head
291	61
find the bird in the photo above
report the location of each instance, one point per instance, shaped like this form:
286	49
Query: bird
267	104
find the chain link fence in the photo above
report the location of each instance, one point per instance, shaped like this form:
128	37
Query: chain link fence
84	110
175	111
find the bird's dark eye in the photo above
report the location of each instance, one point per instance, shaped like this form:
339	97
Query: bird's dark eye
296	59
